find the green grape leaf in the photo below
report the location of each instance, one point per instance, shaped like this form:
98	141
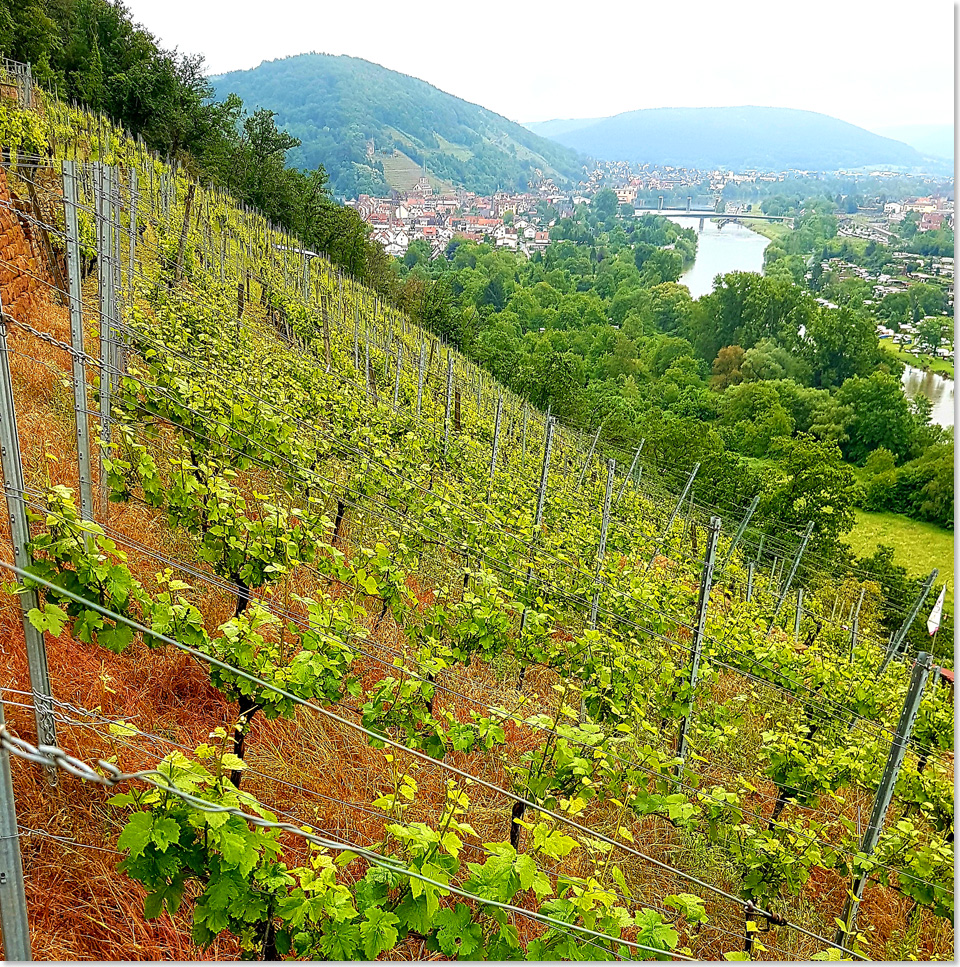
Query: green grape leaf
51	619
378	931
457	934
136	834
342	944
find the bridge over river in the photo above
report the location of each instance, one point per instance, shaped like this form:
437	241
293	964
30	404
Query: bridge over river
722	217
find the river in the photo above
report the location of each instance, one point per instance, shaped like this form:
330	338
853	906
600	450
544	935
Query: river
730	249
937	388
737	249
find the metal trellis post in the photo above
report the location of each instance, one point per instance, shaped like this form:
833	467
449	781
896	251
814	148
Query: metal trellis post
601	551
901	635
586	463
541	501
423	363
13	486
133	233
105	274
629	475
13	900
604	525
855	628
740	531
888	781
793	570
544	473
496	443
676	510
703	601
76	339
446	414
396	382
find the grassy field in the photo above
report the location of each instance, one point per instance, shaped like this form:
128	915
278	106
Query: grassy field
917	547
944	366
771	230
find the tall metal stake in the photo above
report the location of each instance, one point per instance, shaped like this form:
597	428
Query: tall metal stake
888	781
76	339
793	571
366	363
423	363
356	337
13	899
901	635
133	233
396	382
706	582
676	510
601	552
586	463
799	614
544	473
496	442
629	475
446	415
541	501
13	487
740	530
855	629
604	524
107	309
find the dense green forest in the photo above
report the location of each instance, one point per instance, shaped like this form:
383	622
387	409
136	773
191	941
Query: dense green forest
337	105
92	52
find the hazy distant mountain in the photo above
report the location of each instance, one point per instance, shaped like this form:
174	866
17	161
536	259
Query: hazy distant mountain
729	137
373	128
932	139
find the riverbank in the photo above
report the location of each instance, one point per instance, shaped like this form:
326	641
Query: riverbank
929	364
771	230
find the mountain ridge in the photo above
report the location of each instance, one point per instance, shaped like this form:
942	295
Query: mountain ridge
372	127
745	136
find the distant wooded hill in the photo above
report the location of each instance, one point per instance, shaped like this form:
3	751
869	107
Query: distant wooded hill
932	139
371	128
729	137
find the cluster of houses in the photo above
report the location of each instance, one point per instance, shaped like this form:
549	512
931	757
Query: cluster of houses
513	220
504	219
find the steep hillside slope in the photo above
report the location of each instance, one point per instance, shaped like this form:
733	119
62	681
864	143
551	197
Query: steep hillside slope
732	137
353	115
313	548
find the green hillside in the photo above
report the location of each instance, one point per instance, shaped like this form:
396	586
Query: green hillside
338	105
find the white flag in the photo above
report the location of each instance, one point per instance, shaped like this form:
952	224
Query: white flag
933	622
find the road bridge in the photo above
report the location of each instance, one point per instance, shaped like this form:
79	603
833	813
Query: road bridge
722	217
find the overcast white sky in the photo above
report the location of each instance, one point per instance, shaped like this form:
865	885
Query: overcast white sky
871	62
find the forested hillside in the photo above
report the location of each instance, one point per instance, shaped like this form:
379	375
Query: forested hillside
729	137
342	107
92	52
